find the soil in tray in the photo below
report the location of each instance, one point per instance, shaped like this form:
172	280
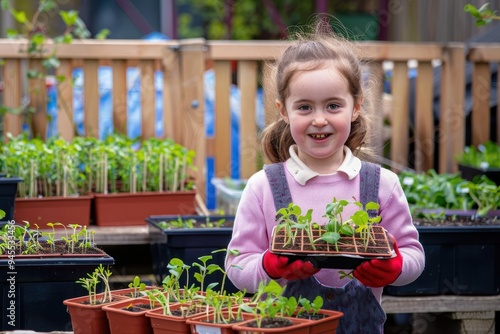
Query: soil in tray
378	244
457	220
58	248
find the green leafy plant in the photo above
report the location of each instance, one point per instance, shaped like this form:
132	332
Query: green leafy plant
308	306
120	164
181	222
447	191
335	226
483	156
292	221
359	222
48	168
137	286
431	190
294	224
26	240
43	59
486	194
262	304
90	282
483	15
20	239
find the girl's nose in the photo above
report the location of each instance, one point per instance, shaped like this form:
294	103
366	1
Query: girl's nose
319	120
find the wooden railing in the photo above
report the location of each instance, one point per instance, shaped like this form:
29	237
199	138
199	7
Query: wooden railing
419	136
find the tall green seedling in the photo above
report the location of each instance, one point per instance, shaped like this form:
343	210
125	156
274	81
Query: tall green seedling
336	226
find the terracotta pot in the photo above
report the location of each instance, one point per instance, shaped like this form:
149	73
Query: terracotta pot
170	324
124	209
129	316
201	324
350	253
89	319
129	292
65	210
326	323
299	326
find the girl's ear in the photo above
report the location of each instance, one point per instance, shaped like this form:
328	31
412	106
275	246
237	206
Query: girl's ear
356	110
282	110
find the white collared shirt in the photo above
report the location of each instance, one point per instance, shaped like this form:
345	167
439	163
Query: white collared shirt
301	173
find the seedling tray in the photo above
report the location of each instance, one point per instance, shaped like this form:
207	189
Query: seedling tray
459	260
189	244
349	253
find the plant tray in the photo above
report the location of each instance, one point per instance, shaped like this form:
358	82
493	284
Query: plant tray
459	260
349	254
189	244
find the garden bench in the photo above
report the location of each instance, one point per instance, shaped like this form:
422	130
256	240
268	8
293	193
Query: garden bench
452	314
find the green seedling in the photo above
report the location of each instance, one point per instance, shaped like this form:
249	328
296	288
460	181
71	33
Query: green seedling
137	285
310	306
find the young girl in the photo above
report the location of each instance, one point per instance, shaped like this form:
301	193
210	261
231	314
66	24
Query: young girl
312	157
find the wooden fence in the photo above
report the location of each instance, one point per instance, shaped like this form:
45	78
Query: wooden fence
426	122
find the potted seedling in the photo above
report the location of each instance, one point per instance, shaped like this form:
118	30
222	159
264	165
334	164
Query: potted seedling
129	315
133	179
52	179
178	301
323	320
225	313
339	243
272	312
87	315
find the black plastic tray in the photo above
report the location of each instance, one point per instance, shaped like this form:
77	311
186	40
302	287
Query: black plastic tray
188	244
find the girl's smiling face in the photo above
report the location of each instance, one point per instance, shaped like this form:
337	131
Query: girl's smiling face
320	109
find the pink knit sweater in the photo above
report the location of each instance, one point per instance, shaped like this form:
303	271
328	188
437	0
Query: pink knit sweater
255	219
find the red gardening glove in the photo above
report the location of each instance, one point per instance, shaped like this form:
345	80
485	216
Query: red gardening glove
277	266
378	273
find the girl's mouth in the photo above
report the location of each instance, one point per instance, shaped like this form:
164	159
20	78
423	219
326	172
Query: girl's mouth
319	135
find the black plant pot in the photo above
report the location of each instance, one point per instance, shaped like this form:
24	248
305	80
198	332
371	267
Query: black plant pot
460	260
469	172
33	290
8	190
189	244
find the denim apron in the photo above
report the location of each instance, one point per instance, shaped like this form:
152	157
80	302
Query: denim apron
363	314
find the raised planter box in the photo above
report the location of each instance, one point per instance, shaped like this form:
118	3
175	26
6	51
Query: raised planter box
33	290
460	260
188	244
125	209
64	210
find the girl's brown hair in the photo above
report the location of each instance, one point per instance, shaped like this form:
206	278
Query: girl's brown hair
310	51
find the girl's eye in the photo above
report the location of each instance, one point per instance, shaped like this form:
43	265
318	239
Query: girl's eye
304	107
333	106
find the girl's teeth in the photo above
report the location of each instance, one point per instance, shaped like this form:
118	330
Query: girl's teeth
319	136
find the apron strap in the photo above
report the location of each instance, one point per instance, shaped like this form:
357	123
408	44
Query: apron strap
368	185
279	186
